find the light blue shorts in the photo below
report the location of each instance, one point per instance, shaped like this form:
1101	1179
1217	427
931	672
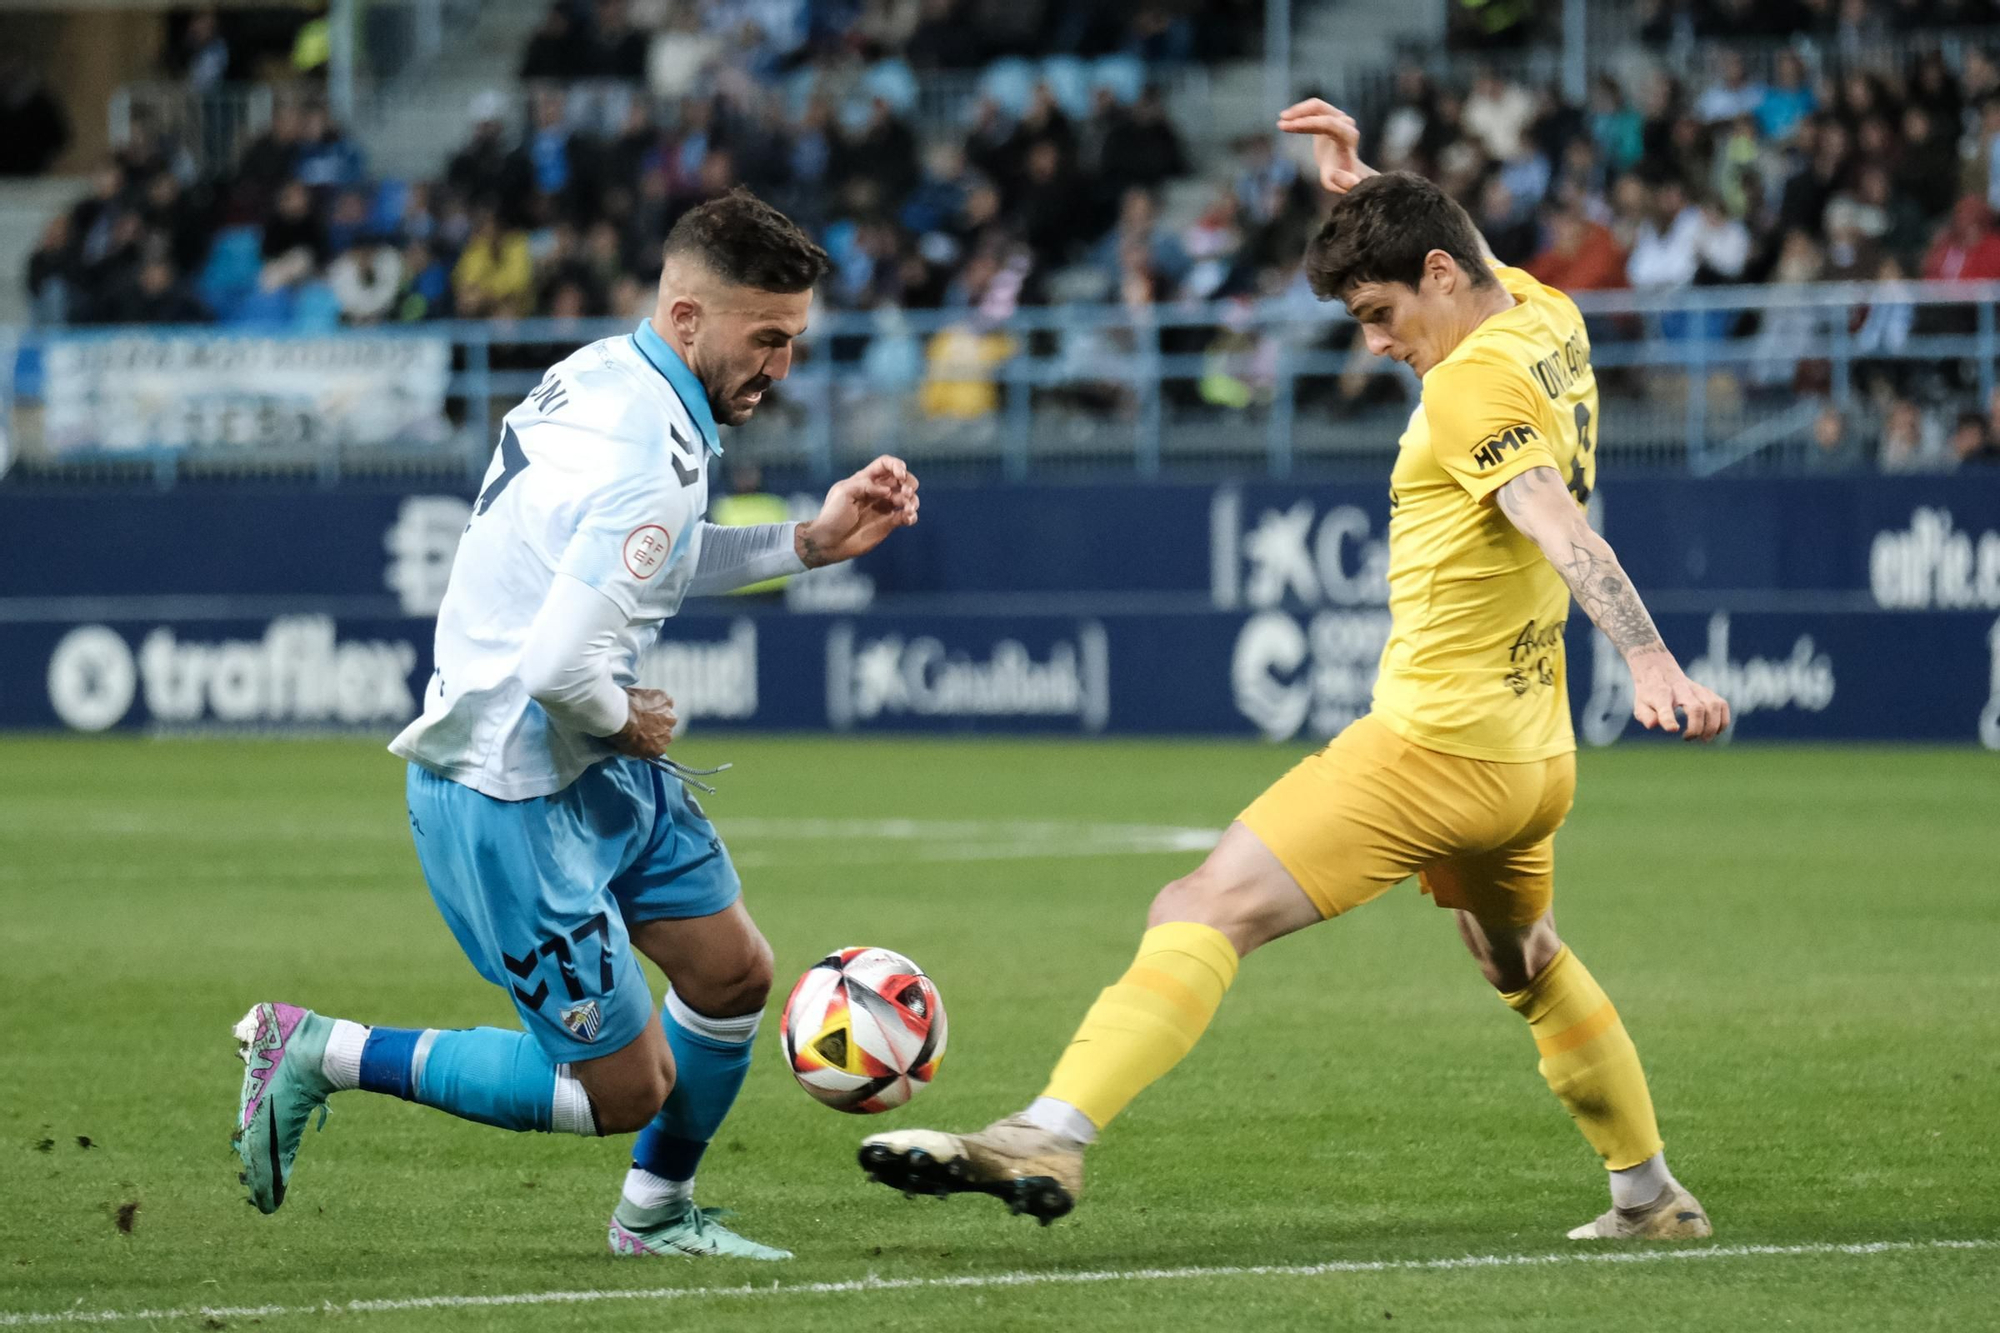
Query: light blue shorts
541	892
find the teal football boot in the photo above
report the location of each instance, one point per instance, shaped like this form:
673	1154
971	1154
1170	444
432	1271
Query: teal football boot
681	1228
281	1046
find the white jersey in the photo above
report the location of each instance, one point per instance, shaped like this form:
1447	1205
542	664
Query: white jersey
602	474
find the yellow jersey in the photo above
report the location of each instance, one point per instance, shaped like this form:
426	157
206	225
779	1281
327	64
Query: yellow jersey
1474	665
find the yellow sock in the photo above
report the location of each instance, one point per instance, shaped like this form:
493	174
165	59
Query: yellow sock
1589	1062
1142	1026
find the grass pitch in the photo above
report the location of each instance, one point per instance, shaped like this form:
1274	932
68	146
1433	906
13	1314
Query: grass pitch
1802	942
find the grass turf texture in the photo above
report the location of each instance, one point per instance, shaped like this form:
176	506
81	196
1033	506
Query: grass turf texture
1801	941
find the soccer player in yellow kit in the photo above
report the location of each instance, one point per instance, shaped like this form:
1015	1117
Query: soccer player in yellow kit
1466	765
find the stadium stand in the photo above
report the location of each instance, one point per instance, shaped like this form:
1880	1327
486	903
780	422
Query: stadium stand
1066	174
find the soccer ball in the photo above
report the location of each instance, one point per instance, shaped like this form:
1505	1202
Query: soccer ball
863	1030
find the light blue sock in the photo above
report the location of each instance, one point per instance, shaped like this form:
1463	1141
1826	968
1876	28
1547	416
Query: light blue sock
711	1056
490	1075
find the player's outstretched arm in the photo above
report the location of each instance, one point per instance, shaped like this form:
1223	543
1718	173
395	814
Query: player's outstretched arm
1540	505
859	512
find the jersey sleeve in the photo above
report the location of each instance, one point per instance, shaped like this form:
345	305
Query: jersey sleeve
1488	423
628	534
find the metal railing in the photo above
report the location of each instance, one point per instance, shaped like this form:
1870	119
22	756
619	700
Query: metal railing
212	126
1694	380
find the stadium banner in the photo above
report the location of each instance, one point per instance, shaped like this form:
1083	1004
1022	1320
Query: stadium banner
230	394
1795	676
1825	608
1903	543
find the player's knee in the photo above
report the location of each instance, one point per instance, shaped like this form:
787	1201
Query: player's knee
752	985
739	987
629	1105
1202	897
1510	957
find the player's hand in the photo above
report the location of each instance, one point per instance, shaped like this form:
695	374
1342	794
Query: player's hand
859	512
650	728
1336	142
1660	689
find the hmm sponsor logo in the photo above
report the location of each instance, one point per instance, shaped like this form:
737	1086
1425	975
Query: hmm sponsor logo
1802	681
298	673
707	677
888	676
1498	445
1932	565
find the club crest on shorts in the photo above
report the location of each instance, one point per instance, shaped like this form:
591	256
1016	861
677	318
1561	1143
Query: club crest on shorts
583	1020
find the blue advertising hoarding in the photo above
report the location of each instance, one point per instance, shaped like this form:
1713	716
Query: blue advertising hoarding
1824	609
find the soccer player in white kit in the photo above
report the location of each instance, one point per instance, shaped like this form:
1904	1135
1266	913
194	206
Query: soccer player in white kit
553	844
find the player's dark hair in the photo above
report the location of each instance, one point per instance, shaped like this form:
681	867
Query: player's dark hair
745	241
1380	231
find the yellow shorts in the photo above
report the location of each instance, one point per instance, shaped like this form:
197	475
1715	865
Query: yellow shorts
1371	809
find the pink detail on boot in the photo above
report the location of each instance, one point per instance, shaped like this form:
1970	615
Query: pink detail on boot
267	1050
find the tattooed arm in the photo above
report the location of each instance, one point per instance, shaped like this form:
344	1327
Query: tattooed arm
1538	504
858	514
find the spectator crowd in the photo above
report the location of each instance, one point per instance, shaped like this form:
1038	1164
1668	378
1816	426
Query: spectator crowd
556	202
1888	170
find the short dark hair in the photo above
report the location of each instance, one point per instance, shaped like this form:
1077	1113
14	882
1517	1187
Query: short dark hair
1380	231
745	241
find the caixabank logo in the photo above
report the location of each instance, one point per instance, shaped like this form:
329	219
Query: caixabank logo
890	679
1318	583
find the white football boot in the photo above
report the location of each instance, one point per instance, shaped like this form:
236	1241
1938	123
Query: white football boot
1028	1168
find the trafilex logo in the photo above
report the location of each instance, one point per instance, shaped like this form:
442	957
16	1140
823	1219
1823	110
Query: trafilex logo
299	672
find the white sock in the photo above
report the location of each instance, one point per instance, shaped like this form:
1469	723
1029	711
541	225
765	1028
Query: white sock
341	1061
1637	1186
1060	1118
571	1112
735	1030
643	1189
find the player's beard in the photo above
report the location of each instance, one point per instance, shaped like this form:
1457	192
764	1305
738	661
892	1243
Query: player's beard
731	409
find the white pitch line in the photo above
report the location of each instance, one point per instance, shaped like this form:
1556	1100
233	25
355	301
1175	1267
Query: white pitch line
761	843
871	1283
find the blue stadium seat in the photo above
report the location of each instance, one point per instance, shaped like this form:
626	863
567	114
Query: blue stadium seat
1069	79
839	242
893	82
1010	81
894	361
315	309
260	309
230	275
855	113
799	87
385	212
1125	76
